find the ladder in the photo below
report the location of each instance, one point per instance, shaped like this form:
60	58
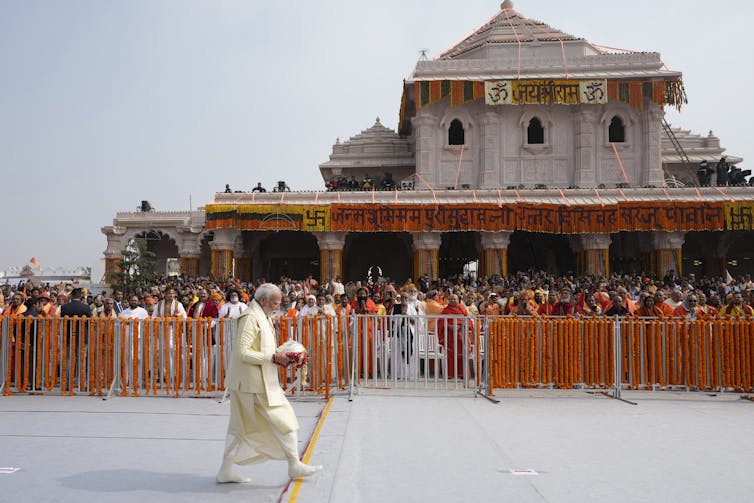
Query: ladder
675	142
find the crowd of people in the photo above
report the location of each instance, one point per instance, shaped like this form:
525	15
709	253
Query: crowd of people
533	293
367	183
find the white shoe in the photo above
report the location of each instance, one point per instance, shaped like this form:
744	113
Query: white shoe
297	469
226	475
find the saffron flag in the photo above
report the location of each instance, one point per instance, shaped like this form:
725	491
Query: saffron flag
34	262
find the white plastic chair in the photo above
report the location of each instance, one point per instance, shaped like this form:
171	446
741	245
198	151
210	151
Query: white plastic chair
429	348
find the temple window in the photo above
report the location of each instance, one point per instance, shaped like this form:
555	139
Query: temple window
535	133
456	135
617	131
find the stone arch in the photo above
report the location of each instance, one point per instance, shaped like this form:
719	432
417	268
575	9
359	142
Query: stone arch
294	254
162	244
390	251
626	115
456	251
539	251
463	116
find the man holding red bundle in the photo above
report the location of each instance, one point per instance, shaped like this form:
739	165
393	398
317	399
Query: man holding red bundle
262	423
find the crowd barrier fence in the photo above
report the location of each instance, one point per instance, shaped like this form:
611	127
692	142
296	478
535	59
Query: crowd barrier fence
175	357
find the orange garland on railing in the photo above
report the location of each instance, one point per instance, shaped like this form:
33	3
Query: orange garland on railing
178	336
135	334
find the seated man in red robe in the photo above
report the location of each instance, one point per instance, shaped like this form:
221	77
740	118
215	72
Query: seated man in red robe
450	334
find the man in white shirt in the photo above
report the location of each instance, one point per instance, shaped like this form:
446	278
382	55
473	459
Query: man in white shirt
311	308
233	308
337	287
133	316
134	310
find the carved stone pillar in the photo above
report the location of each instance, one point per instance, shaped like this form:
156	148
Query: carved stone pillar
113	253
585	175
330	254
666	252
425	125
221	253
652	126
592	253
189	252
494	259
492	149
426	254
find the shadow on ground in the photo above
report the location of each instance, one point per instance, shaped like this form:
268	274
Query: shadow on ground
142	480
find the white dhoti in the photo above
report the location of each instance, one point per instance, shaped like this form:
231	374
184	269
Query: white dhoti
258	432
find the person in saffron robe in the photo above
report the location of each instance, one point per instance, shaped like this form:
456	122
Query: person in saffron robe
262	423
450	335
736	307
363	305
649	309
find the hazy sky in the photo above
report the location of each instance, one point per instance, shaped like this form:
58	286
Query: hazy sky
105	103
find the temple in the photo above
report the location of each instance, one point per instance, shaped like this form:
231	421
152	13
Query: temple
519	147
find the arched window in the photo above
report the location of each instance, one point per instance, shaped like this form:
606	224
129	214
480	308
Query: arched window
456	134
617	131
535	133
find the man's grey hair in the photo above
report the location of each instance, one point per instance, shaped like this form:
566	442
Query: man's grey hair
265	291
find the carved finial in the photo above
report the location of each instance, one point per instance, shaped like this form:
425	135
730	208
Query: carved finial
508	4
337	141
377	120
711	134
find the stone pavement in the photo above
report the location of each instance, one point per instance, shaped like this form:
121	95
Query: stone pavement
390	446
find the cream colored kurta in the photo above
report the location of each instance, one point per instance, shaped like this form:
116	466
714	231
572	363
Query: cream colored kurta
259	411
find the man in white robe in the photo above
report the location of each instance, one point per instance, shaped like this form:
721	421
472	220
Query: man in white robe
262	423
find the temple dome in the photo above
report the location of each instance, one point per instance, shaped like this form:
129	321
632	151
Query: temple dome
372	152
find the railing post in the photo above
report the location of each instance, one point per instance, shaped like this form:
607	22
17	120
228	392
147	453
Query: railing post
116	359
618	358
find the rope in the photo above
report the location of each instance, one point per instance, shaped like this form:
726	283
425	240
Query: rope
458	171
602	203
620	163
699	194
425	183
614	48
565	63
724	194
562	194
470	34
518	39
559	39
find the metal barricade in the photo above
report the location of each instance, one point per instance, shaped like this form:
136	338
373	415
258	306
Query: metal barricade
415	352
175	357
104	356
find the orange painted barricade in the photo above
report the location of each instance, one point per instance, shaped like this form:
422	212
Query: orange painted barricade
173	357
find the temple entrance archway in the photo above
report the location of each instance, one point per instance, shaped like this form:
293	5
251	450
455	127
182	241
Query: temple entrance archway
390	251
740	257
625	253
532	250
457	250
289	253
163	246
712	253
